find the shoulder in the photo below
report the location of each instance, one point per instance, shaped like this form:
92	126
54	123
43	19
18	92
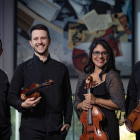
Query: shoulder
3	74
28	62
24	64
83	74
58	64
81	78
136	70
3	79
136	66
113	79
111	75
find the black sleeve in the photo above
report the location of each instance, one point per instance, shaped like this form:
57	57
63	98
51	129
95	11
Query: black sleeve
131	100
77	99
15	88
5	115
67	98
115	89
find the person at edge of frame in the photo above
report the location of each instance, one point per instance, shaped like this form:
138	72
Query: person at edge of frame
108	94
42	118
133	93
5	115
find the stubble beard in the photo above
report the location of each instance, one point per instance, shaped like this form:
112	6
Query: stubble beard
42	52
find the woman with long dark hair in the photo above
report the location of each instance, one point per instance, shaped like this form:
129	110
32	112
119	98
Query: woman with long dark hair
108	95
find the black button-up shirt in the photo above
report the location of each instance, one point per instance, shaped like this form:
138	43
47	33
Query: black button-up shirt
5	116
133	90
56	101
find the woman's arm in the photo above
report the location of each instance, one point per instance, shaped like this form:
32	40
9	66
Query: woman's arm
108	104
83	106
115	89
77	102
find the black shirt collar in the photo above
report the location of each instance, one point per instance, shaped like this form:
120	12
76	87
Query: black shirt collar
36	59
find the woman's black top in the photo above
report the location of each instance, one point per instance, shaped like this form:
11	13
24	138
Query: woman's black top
111	88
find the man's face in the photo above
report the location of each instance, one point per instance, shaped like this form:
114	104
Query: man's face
83	2
40	41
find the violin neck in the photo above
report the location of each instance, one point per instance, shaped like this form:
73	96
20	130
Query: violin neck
89	115
88	90
30	92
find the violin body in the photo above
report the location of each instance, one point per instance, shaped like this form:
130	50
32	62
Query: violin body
92	118
24	91
33	90
133	120
94	131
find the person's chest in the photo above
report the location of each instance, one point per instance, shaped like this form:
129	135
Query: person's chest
41	73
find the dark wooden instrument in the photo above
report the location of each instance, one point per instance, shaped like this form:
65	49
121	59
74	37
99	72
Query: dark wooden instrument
33	90
91	120
133	120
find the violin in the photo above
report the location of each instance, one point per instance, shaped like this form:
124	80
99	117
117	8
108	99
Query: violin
92	118
33	90
133	120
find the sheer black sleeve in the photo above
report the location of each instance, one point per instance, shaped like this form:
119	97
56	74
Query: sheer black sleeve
116	90
77	100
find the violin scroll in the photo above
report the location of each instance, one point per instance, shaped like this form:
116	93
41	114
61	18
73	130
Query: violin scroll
90	83
50	83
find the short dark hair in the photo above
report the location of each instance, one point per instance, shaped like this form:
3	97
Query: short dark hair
110	64
39	27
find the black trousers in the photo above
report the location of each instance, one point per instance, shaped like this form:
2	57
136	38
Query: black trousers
30	134
5	132
137	136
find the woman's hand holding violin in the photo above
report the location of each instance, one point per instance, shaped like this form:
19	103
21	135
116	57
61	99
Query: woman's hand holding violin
90	98
86	105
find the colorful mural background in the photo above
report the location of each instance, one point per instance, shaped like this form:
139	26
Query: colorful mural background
74	25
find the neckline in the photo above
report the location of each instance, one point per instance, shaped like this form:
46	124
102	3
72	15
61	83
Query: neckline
100	83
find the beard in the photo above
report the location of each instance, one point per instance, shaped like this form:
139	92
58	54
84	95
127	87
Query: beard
42	52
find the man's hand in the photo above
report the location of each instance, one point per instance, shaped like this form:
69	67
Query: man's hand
30	102
127	127
65	126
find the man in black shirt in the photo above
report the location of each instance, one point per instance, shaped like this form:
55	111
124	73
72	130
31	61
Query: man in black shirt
133	92
42	118
5	117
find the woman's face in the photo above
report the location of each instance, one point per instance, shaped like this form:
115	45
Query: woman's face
99	56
